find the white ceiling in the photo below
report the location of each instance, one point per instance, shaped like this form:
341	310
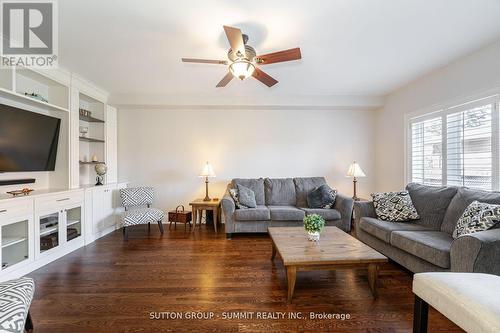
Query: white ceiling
365	48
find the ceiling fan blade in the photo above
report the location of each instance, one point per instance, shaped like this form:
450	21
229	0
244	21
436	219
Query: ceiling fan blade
205	61
235	40
264	78
286	55
225	80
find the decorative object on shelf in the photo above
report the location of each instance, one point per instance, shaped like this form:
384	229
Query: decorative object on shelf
207	172
101	170
36	96
84	130
313	224
24	191
94	158
181	216
355	172
85	113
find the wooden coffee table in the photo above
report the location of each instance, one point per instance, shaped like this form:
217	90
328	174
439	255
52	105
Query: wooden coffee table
335	250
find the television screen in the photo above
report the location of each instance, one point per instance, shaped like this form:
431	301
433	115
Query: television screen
28	140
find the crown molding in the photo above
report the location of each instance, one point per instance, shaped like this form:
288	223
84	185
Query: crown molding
215	102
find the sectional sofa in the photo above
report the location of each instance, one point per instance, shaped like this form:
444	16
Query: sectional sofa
281	202
426	244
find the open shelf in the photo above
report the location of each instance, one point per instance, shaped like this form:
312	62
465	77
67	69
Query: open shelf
82	138
90	119
28	100
31	81
90	163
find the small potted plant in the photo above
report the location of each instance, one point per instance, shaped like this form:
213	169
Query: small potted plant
313	224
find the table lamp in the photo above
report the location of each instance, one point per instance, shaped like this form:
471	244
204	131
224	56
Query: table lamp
355	172
207	172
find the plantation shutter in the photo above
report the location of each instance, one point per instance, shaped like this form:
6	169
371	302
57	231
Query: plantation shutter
426	151
469	147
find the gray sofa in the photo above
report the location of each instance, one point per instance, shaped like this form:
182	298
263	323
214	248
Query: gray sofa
281	202
426	244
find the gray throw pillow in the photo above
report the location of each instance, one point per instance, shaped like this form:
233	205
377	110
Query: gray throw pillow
321	197
394	206
478	216
246	196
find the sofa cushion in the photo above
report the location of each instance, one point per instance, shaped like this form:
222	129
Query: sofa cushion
256	185
305	185
432	246
246	196
431	202
383	229
280	192
259	213
459	203
321	197
286	213
394	206
236	198
327	214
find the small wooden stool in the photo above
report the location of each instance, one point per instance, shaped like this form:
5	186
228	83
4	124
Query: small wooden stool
181	216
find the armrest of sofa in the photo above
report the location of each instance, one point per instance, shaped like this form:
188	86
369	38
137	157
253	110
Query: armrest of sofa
344	205
477	252
228	207
363	209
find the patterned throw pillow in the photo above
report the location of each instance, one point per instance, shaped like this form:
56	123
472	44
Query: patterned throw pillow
478	216
394	206
321	197
236	197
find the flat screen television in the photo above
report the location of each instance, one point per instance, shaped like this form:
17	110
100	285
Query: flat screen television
28	140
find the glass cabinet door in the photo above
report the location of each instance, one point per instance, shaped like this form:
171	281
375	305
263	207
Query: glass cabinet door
49	231
15	243
73	223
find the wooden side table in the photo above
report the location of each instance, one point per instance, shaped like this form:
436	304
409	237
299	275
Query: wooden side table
198	206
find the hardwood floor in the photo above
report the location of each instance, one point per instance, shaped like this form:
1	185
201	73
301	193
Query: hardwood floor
116	286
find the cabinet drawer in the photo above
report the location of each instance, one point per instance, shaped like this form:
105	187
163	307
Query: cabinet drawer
59	199
15	207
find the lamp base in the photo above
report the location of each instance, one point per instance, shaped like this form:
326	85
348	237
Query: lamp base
207	198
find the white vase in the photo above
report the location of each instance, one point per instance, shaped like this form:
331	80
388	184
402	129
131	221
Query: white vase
313	236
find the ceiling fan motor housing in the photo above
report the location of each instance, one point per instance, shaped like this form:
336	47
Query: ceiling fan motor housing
249	54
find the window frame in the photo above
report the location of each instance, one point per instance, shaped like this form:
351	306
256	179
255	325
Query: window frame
443	112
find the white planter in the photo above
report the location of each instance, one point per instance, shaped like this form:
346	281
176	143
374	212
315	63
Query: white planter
313	236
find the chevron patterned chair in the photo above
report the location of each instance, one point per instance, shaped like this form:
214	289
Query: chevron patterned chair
15	300
137	202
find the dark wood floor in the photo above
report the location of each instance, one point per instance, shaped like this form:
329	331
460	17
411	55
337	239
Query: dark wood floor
114	286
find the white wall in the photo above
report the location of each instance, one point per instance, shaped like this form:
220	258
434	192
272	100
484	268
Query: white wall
468	76
167	148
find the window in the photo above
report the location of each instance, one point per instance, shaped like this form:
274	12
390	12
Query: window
457	146
426	151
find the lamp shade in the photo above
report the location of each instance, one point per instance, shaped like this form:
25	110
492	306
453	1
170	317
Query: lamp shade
355	171
207	171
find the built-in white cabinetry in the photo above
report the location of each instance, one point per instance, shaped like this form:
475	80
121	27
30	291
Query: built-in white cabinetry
66	210
16	234
103	209
58	220
37	229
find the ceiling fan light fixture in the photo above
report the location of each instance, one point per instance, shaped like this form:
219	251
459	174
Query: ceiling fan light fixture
242	68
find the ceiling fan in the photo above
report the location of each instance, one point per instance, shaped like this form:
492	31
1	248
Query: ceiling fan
243	60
